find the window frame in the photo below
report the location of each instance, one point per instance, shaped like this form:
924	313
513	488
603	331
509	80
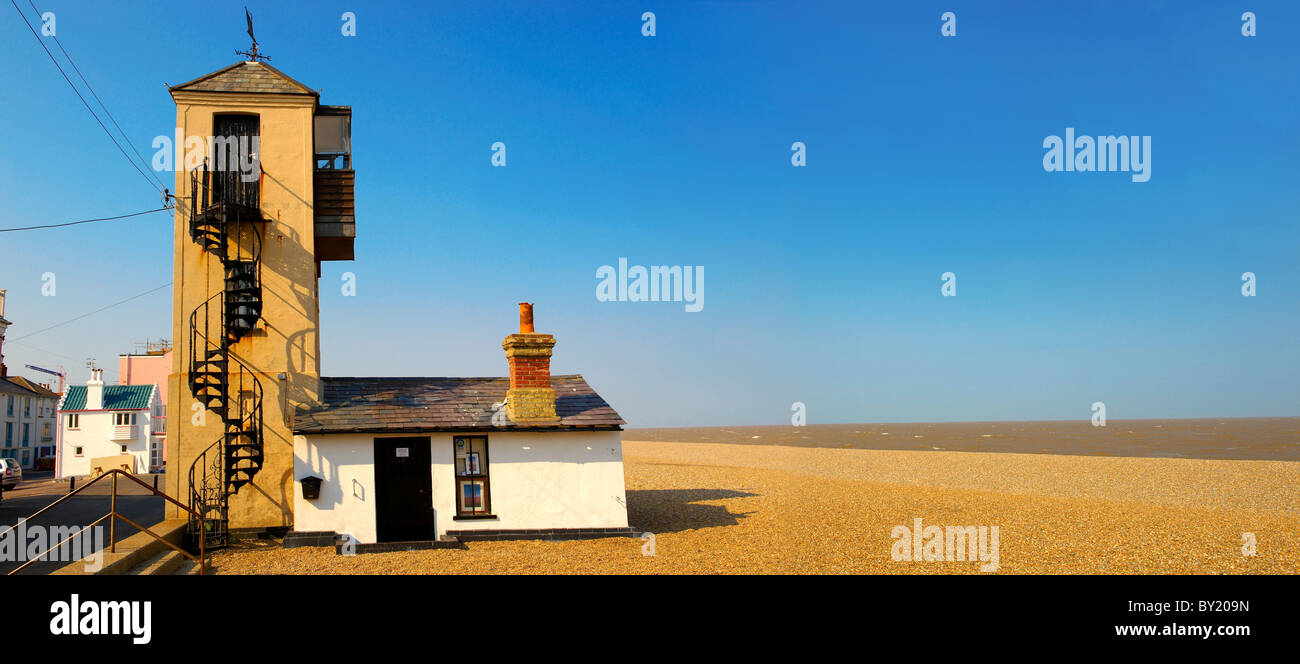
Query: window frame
484	476
74	421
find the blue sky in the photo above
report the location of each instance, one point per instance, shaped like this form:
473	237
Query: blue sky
924	156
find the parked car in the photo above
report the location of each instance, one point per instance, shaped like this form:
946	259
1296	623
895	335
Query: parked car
13	473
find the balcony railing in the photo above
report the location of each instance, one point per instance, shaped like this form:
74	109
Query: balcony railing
123	432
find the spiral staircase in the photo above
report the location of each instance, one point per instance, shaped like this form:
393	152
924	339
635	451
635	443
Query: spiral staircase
224	220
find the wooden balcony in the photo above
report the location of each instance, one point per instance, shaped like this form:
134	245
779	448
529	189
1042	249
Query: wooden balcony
336	222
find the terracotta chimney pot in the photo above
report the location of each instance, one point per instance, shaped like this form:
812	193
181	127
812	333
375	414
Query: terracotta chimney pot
526	318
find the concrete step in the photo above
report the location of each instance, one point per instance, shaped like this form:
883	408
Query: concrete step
164	562
135	552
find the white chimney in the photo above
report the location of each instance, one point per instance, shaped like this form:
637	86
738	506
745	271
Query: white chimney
95	390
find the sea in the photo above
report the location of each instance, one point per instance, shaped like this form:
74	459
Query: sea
1259	438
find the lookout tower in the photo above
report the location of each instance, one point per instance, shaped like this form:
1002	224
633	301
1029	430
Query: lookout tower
264	193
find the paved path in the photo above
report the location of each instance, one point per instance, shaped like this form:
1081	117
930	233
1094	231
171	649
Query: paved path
38	490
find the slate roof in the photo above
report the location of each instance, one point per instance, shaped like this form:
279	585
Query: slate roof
116	397
246	77
32	386
8	386
379	405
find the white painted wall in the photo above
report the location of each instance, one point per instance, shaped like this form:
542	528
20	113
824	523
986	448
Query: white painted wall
544	479
37	413
94	434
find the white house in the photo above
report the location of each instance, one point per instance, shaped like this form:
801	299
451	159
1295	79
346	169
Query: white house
99	423
26	411
27	418
421	459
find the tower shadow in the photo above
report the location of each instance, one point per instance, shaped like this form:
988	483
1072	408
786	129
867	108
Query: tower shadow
676	510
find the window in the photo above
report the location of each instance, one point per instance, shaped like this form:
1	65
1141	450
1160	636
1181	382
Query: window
159	420
472	497
155	456
27	407
124	449
234	151
10	409
77	450
26	434
120	419
72	420
9	434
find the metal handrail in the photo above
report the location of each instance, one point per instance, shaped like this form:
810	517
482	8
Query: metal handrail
223	229
245	416
113	514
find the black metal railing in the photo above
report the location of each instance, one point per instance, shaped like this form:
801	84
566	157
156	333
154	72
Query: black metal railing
113	516
222	222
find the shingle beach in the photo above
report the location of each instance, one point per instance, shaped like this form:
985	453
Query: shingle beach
772	509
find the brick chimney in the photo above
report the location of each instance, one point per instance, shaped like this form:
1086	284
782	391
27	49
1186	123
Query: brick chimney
95	390
530	398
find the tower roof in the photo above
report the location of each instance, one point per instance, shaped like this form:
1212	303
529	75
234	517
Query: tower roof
250	76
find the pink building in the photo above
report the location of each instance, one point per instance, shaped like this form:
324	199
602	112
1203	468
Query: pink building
150	367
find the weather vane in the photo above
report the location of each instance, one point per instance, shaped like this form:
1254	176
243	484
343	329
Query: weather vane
252	52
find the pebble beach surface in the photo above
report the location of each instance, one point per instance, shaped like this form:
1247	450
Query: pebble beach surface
772	509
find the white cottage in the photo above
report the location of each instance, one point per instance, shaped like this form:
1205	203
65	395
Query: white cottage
385	460
109	426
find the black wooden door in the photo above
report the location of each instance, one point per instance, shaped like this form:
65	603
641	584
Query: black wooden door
403	490
233	181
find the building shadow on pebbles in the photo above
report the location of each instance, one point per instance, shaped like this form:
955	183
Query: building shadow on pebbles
675	510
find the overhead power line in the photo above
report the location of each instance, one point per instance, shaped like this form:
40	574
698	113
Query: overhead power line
42	350
81	97
92	313
83	221
94	94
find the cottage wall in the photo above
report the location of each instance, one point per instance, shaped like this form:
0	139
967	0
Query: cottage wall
543	479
